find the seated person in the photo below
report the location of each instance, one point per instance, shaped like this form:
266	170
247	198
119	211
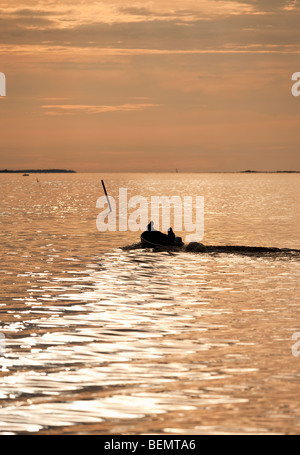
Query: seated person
171	235
150	226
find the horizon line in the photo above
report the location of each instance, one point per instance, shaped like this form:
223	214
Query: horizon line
61	171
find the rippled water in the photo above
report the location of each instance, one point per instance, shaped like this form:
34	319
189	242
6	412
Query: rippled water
112	340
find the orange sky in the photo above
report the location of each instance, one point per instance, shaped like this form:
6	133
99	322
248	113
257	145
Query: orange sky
120	85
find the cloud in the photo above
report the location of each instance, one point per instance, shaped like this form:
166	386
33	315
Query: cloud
206	26
72	109
270	5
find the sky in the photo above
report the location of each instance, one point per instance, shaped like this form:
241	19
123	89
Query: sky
130	86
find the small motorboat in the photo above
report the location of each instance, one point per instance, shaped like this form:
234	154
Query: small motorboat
25	175
153	239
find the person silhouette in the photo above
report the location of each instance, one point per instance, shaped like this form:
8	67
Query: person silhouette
171	235
150	226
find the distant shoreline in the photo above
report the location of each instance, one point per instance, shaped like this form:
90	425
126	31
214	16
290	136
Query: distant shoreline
269	172
36	171
65	171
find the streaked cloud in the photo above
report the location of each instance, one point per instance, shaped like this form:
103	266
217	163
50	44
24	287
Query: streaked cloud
72	109
165	25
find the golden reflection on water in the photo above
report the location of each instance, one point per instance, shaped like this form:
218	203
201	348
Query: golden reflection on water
105	340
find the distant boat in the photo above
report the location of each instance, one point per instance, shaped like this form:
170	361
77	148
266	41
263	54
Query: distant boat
25	175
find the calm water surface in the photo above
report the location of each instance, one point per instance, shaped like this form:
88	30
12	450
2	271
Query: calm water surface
105	340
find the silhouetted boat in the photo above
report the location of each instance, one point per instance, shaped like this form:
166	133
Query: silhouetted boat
25	175
152	239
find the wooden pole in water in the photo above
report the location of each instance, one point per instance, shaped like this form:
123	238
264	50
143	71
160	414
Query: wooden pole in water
106	195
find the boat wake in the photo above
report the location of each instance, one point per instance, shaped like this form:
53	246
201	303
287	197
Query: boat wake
196	247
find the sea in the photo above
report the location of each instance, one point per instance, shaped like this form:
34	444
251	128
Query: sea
99	335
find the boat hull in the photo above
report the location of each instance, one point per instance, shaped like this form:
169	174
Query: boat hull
152	239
